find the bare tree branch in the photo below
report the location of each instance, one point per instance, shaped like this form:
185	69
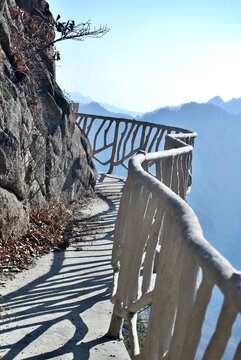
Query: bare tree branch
39	35
76	32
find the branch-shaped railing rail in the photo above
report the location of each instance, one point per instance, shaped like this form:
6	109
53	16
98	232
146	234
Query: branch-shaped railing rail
159	250
115	140
158	254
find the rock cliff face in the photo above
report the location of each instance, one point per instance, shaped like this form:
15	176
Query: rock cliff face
44	157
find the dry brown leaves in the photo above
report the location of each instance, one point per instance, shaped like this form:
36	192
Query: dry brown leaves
52	229
46	233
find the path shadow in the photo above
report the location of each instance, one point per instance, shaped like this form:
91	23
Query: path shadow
64	294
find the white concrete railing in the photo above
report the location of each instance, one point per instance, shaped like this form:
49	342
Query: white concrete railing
159	255
115	140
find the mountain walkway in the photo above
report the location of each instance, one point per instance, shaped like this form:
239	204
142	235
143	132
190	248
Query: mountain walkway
60	308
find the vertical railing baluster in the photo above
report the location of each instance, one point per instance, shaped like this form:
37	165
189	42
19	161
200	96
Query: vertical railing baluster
186	296
196	319
112	158
142	137
222	333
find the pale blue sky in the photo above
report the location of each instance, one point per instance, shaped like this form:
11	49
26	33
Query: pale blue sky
157	52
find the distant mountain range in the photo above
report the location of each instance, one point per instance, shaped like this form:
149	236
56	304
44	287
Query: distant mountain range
89	106
216	189
233	106
95	108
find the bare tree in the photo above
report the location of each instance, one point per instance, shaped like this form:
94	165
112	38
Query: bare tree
69	30
38	34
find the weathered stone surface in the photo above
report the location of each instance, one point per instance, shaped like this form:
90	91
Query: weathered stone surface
14	215
44	157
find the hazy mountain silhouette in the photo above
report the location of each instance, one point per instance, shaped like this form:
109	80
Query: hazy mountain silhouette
216	101
216	189
103	108
233	106
78	97
115	109
96	109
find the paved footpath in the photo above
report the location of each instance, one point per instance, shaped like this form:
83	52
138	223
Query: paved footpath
60	308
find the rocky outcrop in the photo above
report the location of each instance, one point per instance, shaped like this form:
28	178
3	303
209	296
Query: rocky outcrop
44	157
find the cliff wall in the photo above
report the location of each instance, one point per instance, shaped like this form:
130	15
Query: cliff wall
44	157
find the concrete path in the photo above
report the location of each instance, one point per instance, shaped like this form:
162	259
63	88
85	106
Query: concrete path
60	308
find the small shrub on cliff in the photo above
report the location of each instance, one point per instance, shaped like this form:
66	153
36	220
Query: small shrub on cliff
38	35
34	35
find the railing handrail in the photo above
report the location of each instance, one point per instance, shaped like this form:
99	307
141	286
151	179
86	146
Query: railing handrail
119	152
179	334
220	269
159	248
133	121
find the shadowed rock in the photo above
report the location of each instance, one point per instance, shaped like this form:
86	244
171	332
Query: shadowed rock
44	157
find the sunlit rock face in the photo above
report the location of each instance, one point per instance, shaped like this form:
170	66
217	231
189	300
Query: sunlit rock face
44	157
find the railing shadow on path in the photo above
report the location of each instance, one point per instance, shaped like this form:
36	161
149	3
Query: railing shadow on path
51	315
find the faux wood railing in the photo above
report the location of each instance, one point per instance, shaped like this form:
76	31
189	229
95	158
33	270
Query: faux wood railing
159	255
114	140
